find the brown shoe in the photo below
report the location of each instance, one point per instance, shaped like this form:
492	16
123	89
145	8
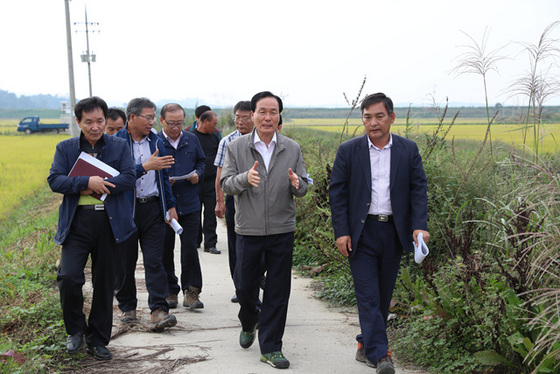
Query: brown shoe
385	364
172	301
162	319
129	316
191	299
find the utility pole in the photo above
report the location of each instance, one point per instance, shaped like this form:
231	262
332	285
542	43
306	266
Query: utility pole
73	124
87	56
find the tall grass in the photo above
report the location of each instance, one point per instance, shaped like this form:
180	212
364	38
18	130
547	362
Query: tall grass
538	85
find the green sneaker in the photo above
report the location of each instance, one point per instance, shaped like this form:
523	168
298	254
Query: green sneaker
246	338
276	360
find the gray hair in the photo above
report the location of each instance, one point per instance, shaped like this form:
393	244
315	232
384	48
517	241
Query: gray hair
137	105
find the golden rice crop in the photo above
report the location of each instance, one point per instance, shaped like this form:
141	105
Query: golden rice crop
24	166
469	129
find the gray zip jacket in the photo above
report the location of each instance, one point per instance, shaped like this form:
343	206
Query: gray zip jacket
268	209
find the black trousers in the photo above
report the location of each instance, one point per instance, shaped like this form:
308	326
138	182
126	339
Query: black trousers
277	251
90	234
191	273
231	235
207	226
150	233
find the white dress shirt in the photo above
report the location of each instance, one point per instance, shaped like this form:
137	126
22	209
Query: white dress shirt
266	152
145	185
174	143
380	161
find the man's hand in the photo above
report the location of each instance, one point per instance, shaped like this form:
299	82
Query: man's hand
86	192
294	179
172	214
425	236
99	185
344	245
194	179
253	175
220	209
158	163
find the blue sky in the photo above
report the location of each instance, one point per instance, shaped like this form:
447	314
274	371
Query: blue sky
309	52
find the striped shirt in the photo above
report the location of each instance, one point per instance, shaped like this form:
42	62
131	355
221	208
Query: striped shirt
219	160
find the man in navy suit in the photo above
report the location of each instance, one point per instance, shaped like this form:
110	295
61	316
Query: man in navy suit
379	207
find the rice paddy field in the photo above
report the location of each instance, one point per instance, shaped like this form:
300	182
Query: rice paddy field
469	129
25	161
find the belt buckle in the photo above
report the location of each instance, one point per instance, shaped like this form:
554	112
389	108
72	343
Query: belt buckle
383	218
143	200
99	207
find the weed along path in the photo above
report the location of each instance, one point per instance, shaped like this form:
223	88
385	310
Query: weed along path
317	339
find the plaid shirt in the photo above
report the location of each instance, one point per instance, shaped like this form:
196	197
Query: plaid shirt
219	160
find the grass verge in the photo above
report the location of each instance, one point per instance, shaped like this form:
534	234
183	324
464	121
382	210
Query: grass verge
32	332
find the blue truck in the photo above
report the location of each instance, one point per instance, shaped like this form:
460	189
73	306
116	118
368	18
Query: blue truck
33	124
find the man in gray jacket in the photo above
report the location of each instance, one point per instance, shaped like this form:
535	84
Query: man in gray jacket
264	171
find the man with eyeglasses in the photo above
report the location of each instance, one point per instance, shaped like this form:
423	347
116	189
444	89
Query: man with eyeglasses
189	157
152	200
209	140
243	125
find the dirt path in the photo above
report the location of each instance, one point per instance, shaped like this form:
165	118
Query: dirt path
317	339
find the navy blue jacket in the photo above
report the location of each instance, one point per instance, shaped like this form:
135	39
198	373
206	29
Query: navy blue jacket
188	156
117	206
166	199
350	190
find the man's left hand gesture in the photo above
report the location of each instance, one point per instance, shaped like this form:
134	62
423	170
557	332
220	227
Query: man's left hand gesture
294	179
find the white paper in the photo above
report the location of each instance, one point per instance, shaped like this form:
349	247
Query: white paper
174	224
421	250
182	177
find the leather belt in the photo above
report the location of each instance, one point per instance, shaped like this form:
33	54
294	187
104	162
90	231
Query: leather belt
380	217
144	200
98	207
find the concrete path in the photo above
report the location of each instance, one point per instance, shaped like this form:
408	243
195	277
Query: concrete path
317	339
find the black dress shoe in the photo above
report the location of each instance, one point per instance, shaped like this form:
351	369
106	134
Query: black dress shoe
75	342
100	352
212	250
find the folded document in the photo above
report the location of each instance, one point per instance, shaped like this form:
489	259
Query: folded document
421	250
183	177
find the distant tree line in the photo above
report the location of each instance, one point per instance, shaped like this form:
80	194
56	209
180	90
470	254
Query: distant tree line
9	100
48	106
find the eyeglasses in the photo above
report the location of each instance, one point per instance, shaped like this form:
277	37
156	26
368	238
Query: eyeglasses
175	124
148	118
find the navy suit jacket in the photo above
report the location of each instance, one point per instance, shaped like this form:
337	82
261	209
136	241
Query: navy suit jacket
188	156
350	190
113	153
